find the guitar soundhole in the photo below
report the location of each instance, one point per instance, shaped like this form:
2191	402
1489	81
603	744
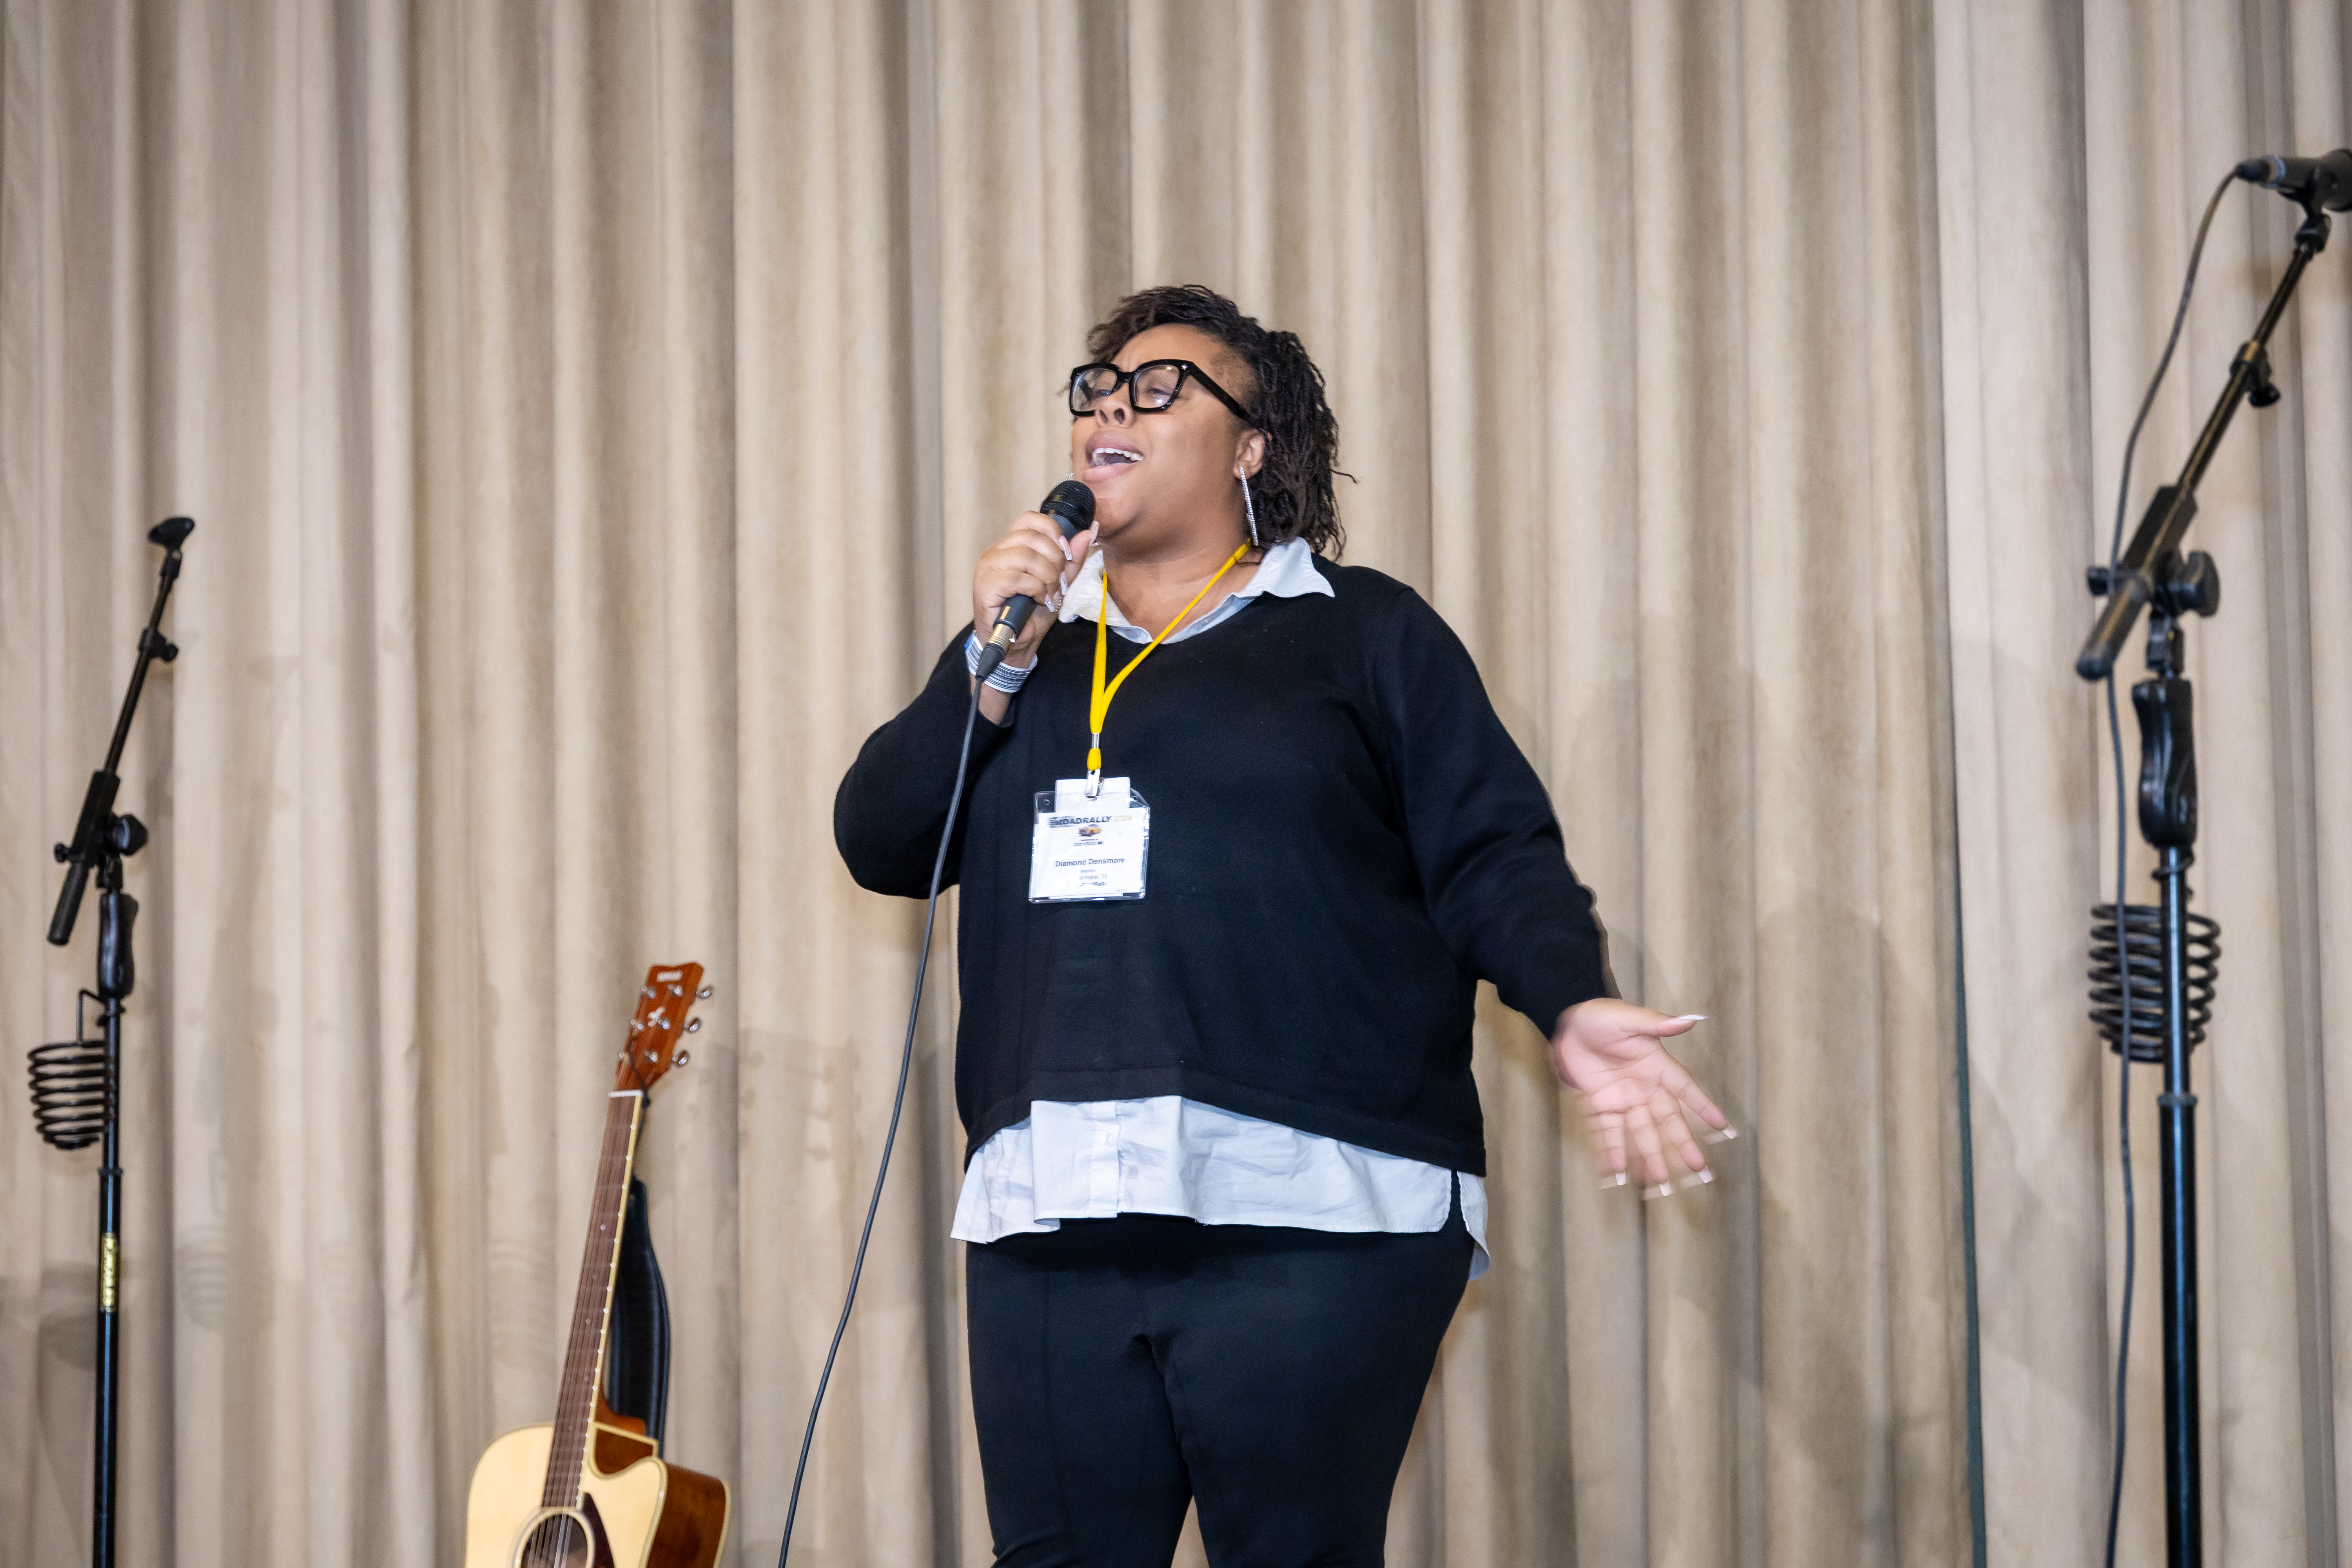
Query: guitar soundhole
565	1542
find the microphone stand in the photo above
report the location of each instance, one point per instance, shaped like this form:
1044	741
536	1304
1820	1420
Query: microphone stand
2153	574
76	1097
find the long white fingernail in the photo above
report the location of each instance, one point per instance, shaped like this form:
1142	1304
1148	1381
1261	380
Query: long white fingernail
1663	1190
1690	1017
1615	1179
1704	1176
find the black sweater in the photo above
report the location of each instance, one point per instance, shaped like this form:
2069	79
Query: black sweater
1344	840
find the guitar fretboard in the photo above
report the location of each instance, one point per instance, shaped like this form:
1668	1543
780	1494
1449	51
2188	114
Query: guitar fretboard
584	1355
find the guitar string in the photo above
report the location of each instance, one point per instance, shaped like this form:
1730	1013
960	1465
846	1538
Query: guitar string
621	1119
587	1328
581	1391
575	1405
553	1494
550	1548
560	1489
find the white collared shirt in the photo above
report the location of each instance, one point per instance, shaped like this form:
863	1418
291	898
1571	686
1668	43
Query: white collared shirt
1287	572
1170	1155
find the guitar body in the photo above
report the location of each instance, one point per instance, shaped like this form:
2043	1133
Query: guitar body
654	1515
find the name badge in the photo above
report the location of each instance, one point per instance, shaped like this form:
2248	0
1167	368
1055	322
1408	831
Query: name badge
1089	850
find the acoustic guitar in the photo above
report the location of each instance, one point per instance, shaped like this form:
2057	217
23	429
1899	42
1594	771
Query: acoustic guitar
590	1489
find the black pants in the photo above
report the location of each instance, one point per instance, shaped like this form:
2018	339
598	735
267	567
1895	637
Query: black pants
1122	1368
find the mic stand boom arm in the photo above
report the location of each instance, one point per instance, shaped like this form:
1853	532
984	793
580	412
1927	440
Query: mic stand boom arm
89	847
2155	546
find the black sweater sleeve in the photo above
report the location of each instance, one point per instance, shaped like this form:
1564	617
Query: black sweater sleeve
893	802
1482	834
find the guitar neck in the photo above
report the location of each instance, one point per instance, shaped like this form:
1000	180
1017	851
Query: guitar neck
592	1306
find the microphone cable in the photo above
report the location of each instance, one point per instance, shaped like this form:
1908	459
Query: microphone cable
2123	849
889	1139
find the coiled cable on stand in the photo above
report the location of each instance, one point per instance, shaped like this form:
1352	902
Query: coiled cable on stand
2142	970
73	1088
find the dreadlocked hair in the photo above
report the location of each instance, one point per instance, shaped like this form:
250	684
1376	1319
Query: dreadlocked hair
1292	488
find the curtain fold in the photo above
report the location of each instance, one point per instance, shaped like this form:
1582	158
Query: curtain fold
2018	473
592	415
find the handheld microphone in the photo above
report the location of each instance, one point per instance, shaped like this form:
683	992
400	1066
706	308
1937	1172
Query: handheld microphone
2322	181
1071	507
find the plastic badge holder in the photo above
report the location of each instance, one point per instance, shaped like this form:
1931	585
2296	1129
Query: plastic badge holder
1062	818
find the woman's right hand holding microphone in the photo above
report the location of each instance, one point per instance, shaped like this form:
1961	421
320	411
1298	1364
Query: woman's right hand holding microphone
1033	558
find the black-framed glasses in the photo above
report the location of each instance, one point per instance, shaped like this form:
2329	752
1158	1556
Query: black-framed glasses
1151	387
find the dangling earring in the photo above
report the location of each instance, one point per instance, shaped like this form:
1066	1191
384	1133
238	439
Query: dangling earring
1249	507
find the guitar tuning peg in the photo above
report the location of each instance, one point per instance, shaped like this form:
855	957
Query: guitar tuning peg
677	990
682	1058
646	992
694	1026
703	994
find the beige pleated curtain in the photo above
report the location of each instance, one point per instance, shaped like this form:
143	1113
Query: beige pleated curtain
592	412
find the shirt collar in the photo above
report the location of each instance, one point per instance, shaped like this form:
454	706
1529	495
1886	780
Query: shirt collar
1286	572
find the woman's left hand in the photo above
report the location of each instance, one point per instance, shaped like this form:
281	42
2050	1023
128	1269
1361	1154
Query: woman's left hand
1613	1054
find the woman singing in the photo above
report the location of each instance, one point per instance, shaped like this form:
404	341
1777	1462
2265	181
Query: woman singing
1243	834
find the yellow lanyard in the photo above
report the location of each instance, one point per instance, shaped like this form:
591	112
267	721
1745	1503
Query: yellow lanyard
1099	706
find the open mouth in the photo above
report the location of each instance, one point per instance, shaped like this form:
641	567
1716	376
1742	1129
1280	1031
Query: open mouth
1111	454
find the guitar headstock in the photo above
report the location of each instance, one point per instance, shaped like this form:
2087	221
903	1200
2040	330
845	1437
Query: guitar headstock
657	1034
